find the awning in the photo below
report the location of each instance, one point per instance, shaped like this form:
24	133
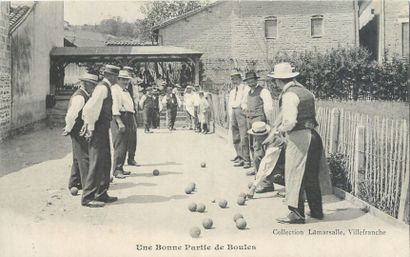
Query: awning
135	53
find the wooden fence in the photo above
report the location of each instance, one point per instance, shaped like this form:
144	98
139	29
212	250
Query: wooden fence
376	151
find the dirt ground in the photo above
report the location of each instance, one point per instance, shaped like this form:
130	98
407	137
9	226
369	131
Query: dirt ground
40	218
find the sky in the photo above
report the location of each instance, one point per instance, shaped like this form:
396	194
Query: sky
92	12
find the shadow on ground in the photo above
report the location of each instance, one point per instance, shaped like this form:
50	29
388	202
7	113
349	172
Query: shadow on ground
342	214
159	164
129	185
25	150
161	173
148	199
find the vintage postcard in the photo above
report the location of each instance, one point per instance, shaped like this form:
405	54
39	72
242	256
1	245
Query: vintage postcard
204	128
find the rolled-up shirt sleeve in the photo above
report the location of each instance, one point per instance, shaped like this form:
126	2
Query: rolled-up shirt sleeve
92	108
116	100
267	105
142	100
76	104
290	102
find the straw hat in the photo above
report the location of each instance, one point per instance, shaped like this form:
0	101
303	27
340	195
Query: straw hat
112	69
124	74
89	78
283	71
259	128
250	75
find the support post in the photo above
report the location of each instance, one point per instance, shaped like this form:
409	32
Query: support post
196	79
359	159
334	130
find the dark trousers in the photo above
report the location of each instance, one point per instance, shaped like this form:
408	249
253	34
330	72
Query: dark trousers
79	170
97	180
189	119
172	115
148	114
310	181
121	140
155	118
132	145
240	134
196	119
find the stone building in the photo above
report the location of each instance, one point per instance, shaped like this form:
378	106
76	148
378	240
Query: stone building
248	34
5	71
28	33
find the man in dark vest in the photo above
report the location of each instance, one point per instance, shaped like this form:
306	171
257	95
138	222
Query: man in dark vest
259	108
97	116
147	105
171	102
74	123
156	113
304	149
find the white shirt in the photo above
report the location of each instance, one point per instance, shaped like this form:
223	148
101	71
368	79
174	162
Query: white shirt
238	97
92	108
267	103
197	99
289	109
121	100
189	103
76	104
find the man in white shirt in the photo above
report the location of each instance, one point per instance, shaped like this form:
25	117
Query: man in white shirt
304	149
123	124
237	100
259	107
189	106
196	100
133	89
74	123
97	116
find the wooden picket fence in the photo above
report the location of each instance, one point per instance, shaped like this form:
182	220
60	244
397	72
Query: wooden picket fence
376	152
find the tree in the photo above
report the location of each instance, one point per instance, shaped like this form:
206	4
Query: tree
157	12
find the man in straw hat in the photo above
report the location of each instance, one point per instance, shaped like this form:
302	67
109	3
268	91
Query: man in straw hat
97	116
133	89
123	124
259	107
304	156
237	100
74	123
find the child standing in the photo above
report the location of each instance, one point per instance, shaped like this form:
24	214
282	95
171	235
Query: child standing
203	113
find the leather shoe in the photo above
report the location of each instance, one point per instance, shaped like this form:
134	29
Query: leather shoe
133	163
126	173
292	218
239	164
250	173
247	165
119	174
107	199
261	189
94	204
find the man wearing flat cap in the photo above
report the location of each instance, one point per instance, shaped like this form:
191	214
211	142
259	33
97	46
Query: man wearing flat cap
97	116
236	103
304	150
147	105
74	123
123	124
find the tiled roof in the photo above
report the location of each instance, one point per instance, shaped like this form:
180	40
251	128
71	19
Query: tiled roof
17	16
127	43
185	15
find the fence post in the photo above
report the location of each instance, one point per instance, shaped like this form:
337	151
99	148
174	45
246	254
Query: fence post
334	130
359	159
404	198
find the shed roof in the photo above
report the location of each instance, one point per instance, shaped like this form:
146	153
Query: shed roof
143	53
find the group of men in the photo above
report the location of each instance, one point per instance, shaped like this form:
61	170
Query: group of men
289	140
198	110
94	108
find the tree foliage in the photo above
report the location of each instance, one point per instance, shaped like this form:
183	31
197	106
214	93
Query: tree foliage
157	12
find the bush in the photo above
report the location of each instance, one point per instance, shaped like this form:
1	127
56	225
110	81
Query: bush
349	74
338	171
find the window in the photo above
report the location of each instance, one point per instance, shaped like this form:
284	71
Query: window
405	40
316	27
271	27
